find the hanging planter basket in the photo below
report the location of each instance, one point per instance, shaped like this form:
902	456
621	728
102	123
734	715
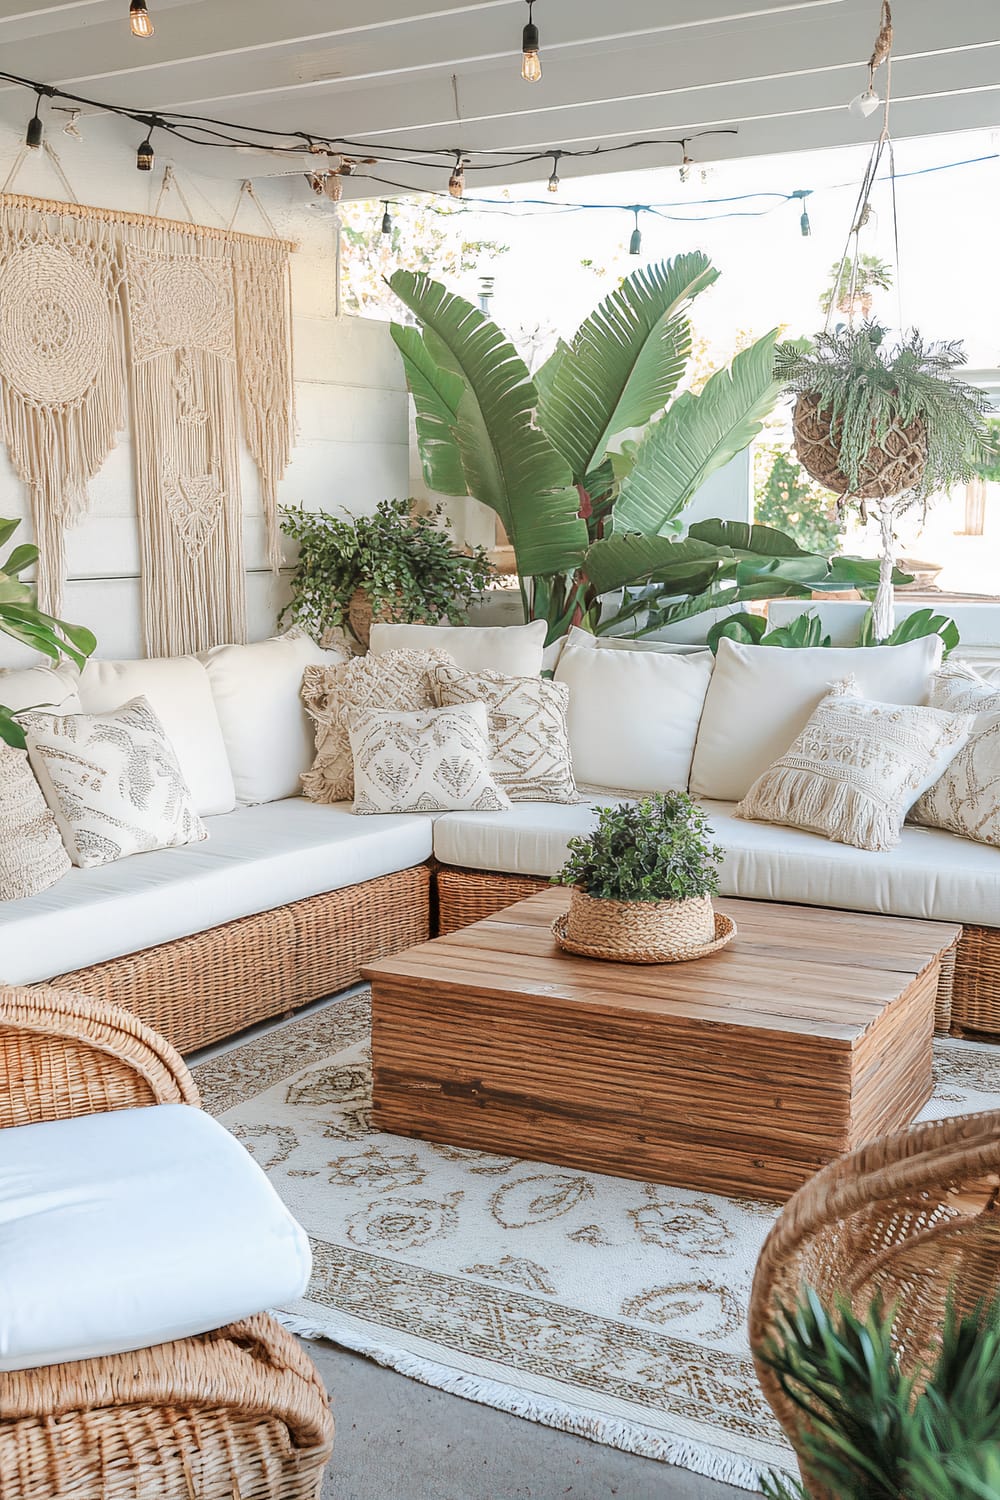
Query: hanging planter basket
890	468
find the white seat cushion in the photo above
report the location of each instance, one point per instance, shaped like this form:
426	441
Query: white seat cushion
123	1230
179	692
266	731
929	873
254	859
514	650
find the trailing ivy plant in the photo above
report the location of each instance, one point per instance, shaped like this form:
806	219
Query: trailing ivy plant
867	384
23	621
871	1431
405	562
657	849
807	630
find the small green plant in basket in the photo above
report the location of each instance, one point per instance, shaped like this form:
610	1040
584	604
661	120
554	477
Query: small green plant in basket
643	881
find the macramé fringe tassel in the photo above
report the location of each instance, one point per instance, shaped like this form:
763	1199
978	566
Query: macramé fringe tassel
822	804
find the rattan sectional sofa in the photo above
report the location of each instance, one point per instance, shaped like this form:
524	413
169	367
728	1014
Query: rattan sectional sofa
286	900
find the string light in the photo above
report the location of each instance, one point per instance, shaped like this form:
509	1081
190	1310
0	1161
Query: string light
144	156
531	63
34	132
635	243
386	218
70	128
139	20
865	103
686	164
554	179
800	195
456	182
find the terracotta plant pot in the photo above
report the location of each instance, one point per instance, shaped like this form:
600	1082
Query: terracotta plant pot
633	928
888	470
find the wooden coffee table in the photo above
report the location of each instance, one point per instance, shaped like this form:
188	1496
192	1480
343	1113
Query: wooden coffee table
741	1073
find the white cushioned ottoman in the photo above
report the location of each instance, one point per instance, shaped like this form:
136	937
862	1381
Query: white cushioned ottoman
123	1230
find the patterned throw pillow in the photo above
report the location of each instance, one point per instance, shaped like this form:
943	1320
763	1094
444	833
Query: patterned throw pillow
433	760
32	855
856	768
529	740
112	781
398	680
966	800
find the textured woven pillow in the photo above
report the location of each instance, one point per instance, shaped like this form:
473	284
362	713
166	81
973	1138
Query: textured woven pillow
966	800
432	760
112	781
398	680
529	739
856	768
32	855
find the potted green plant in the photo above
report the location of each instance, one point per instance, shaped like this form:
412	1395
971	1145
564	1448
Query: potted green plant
642	883
395	564
888	422
866	1427
23	621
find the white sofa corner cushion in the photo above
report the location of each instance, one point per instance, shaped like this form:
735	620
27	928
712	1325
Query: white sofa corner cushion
123	1230
267	733
179	692
633	716
929	874
253	860
54	689
514	650
760	698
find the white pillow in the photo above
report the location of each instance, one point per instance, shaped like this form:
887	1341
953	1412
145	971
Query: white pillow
266	730
132	1228
856	768
32	854
966	799
633	715
179	692
113	783
761	696
431	760
529	743
514	650
53	688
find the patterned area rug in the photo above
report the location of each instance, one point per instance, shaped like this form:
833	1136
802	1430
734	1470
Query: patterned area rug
604	1307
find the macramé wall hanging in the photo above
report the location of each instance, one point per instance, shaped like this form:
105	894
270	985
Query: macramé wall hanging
201	317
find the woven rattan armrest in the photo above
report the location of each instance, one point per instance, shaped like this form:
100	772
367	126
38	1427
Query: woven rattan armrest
62	1054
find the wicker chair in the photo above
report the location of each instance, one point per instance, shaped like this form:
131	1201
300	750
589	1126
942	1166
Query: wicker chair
914	1217
236	1414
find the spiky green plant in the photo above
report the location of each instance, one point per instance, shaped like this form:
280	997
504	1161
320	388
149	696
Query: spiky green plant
867	385
870	1430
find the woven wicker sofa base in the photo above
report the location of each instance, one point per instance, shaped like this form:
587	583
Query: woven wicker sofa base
213	984
238	1412
968	1002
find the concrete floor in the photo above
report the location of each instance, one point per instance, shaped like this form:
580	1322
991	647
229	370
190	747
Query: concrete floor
399	1440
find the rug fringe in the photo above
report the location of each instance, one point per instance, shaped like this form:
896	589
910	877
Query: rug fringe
630	1437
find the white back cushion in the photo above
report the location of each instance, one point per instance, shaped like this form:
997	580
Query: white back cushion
51	688
761	697
132	1228
514	650
178	691
267	732
633	715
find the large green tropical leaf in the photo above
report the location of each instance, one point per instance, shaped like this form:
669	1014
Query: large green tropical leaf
509	464
698	435
617	561
436	394
625	360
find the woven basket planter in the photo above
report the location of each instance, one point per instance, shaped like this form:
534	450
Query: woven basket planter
890	469
360	616
637	931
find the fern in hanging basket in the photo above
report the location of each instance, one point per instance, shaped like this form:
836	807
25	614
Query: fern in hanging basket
875	419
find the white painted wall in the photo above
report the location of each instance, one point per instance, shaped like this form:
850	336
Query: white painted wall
352	447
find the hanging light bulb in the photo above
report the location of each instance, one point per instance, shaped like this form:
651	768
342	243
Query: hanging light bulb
139	20
145	156
456	182
554	179
531	65
865	103
686	164
70	128
799	196
33	134
635	243
386	218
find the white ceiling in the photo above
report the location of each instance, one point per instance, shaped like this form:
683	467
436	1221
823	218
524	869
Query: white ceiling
390	73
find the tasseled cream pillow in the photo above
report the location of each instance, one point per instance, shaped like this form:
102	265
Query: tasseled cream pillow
966	800
857	768
32	855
